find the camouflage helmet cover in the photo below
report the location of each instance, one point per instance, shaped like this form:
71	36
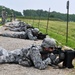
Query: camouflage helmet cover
3	8
48	42
35	30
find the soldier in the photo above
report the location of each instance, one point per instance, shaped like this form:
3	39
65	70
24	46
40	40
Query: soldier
19	29
22	27
14	16
31	55
4	16
28	34
11	17
18	26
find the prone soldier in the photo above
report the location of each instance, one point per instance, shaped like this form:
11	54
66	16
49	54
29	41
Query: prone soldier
20	28
28	34
33	55
30	56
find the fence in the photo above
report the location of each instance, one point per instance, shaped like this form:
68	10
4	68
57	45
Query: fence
56	29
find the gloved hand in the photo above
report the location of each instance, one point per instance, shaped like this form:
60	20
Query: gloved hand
52	57
35	38
48	61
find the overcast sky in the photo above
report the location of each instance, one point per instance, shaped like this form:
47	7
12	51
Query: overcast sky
55	5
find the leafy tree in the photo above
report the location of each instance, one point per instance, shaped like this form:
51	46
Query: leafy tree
8	10
44	15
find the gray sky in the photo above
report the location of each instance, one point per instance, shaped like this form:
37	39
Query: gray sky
55	5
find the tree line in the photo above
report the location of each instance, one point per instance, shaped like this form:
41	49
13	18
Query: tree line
9	11
36	14
44	15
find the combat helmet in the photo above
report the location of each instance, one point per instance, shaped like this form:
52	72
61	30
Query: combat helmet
35	30
48	42
3	8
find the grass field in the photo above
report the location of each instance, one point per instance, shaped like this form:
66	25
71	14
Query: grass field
56	29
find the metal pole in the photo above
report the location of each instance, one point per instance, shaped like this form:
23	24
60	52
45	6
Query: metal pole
67	22
30	19
47	21
39	19
33	21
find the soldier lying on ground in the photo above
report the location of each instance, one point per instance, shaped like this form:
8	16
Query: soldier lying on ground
21	28
18	26
15	24
30	56
29	34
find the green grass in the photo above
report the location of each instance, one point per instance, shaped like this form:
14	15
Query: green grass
0	24
57	30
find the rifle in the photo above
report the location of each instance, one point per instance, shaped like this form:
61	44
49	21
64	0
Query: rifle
69	56
41	36
30	27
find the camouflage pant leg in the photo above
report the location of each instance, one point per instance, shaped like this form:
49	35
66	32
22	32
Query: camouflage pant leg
10	35
20	35
3	54
3	21
1	60
14	35
15	29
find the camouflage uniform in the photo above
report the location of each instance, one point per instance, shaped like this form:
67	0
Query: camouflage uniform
5	56
19	26
19	29
29	34
16	24
29	56
25	56
11	17
4	16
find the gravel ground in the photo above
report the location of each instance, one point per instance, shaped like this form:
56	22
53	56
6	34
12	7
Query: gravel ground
15	69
